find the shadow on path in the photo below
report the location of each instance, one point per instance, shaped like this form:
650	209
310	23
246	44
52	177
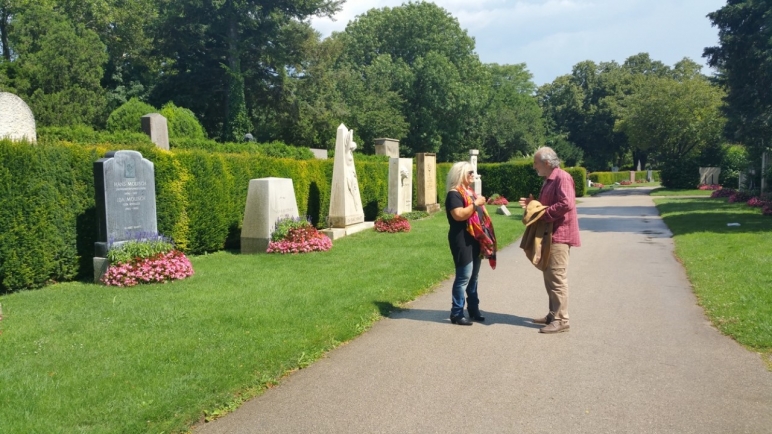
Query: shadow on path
441	316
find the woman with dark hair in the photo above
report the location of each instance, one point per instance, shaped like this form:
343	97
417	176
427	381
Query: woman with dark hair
470	237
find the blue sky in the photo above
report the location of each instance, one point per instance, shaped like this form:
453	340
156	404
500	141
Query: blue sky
551	36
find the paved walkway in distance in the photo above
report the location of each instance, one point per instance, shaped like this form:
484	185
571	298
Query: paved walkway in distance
640	356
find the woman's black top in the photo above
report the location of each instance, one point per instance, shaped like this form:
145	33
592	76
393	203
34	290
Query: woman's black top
463	246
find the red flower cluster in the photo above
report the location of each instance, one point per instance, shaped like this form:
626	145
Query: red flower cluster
392	223
302	239
498	200
709	187
625	182
162	267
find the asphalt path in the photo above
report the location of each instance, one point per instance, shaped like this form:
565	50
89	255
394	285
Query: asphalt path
640	357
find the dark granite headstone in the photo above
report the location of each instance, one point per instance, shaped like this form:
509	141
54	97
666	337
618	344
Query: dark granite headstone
124	183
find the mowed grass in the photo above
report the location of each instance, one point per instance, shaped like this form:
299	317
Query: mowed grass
730	267
676	192
79	357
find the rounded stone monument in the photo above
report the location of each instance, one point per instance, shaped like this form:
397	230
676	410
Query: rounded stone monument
16	119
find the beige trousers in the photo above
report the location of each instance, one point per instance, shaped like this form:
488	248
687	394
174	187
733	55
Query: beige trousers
556	281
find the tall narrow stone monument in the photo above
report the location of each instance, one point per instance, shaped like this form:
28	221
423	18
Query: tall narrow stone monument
346	214
268	199
16	119
155	126
345	200
426	183
124	185
400	185
473	153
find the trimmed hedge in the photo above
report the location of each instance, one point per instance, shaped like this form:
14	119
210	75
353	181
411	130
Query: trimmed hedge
48	214
608	178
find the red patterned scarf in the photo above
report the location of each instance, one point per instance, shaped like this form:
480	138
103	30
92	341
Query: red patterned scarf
482	231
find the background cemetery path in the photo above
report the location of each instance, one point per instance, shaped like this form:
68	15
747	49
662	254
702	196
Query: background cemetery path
640	357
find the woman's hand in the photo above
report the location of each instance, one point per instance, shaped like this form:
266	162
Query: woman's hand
480	201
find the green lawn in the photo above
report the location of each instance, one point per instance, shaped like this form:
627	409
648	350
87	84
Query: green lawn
675	192
79	357
730	267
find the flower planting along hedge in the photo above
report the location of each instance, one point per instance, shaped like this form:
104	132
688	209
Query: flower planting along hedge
48	216
295	235
497	199
392	223
152	259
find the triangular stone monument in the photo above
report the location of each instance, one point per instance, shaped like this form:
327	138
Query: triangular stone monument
346	214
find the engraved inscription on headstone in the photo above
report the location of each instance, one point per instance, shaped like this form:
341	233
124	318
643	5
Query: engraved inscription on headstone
124	184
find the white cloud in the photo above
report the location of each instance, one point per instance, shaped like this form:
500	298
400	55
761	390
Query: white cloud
551	36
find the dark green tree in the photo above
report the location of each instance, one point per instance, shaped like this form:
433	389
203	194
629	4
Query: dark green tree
437	75
512	123
743	59
59	67
223	52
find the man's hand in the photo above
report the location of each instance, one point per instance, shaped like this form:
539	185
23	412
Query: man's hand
525	201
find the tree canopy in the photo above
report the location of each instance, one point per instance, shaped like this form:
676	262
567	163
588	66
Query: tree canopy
744	62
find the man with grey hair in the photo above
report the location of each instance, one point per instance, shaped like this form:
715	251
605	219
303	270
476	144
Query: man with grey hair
559	196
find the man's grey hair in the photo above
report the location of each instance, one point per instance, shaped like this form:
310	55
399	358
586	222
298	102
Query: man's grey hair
548	155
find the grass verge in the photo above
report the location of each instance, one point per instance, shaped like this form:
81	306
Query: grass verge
728	266
675	192
79	357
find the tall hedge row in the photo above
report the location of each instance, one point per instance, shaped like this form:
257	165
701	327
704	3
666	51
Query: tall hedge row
608	178
48	214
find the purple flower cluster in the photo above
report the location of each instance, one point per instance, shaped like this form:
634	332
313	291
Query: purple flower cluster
172	265
739	197
392	223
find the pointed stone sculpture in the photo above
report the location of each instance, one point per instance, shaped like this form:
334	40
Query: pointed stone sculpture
345	201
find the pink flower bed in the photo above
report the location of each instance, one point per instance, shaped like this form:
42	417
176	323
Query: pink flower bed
709	187
625	182
304	239
724	192
756	202
172	265
739	197
392	224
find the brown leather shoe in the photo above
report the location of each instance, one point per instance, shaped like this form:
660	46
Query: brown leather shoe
543	320
555	327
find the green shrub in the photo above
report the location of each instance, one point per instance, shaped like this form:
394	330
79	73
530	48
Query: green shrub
128	117
274	149
139	249
84	134
182	122
609	178
735	160
683	174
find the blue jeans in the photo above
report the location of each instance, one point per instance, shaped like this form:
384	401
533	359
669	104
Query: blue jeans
466	280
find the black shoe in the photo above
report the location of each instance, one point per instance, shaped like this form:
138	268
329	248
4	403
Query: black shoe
476	317
460	320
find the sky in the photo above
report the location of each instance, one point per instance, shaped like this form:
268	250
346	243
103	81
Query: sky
551	36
